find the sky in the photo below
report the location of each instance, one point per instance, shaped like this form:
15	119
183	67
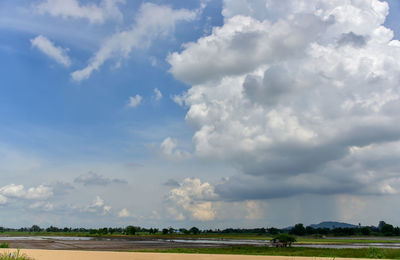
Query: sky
207	113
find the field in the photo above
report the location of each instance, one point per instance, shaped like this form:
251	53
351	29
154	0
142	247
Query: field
298	251
205	244
300	240
93	255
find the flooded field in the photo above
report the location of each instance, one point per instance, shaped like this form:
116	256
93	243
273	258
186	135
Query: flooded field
89	243
266	243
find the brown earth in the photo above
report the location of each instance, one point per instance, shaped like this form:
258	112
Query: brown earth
103	244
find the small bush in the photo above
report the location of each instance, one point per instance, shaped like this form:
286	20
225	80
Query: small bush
284	240
14	256
374	252
4	245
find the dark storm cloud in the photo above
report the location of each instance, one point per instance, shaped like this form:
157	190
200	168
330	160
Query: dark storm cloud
241	188
291	159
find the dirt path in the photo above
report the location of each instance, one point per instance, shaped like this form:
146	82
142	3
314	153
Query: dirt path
38	254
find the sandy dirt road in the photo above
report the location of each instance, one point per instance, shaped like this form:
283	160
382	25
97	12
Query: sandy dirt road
39	254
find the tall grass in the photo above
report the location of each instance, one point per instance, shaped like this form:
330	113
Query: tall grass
14	256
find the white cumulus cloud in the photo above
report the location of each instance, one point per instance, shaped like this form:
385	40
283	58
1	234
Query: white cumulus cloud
40	192
55	52
135	101
3	199
286	91
98	206
40	205
157	94
124	213
95	13
193	199
139	36
169	149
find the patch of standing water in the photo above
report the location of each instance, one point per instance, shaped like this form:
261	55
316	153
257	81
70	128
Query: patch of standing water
222	242
266	243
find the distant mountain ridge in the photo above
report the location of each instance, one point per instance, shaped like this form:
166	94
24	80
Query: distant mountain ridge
333	224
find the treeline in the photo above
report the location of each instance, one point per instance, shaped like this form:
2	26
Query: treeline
383	229
129	230
132	230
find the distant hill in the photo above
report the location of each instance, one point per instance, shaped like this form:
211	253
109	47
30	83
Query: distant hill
332	225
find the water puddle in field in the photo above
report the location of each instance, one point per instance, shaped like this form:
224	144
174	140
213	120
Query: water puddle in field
266	243
222	241
355	245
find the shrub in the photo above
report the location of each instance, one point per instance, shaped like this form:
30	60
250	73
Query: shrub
283	240
374	252
4	245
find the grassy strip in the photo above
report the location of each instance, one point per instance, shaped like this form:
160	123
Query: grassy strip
341	241
4	245
293	251
14	256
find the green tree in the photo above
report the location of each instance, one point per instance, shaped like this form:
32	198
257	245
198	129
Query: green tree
283	240
387	229
381	224
171	230
194	230
310	230
153	230
273	231
366	231
298	229
184	231
130	230
35	228
396	231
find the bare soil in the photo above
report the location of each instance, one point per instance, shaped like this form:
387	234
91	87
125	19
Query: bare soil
112	244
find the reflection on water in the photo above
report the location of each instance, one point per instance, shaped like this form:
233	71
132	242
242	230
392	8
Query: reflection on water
266	242
222	241
355	245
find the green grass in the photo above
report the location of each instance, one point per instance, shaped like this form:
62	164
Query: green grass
4	245
14	256
293	251
302	240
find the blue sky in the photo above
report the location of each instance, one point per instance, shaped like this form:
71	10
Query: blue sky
198	111
92	111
